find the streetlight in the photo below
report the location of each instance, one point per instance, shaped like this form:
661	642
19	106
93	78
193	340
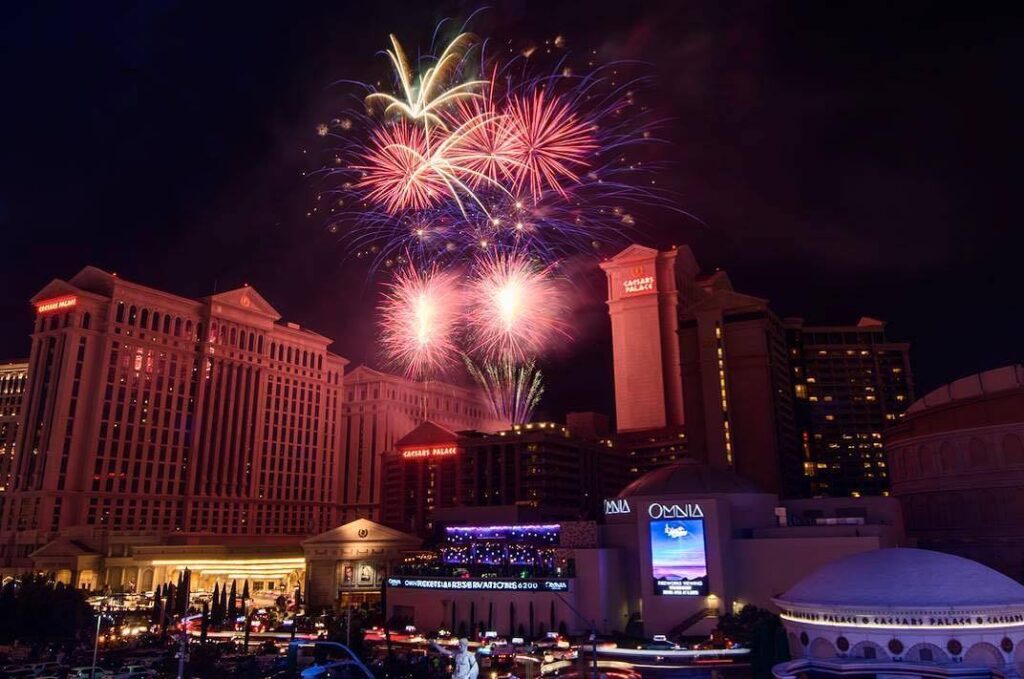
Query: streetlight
96	643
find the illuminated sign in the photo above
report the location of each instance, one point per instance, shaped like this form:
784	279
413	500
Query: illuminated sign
433	451
641	284
679	564
659	511
510	585
56	304
617	506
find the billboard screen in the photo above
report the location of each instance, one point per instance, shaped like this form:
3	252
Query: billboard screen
679	561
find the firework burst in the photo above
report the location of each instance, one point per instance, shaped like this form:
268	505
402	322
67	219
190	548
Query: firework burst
512	389
515	308
419	319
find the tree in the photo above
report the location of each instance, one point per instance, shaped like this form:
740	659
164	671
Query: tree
761	631
157	605
245	593
233	604
216	613
205	625
39	607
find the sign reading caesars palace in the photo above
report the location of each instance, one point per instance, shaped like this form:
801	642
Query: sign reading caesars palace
639	282
428	452
56	304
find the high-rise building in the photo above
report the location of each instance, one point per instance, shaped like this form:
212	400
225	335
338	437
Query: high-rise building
152	419
700	369
539	466
13	376
379	410
737	388
644	291
850	383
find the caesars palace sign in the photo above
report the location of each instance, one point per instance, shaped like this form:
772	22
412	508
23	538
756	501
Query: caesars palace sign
655	510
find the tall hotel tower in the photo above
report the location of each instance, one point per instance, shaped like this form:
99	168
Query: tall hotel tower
689	351
152	419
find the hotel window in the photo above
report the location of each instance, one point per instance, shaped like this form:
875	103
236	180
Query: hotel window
132	312
120	312
86	317
144	319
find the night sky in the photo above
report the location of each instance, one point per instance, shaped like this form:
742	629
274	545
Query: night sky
840	161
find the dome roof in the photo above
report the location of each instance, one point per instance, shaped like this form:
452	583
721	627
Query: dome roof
985	383
688	477
905	578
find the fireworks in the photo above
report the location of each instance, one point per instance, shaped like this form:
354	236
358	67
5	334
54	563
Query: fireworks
476	189
419	317
549	140
423	100
512	389
515	309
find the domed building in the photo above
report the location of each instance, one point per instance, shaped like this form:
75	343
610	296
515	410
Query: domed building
905	612
698	541
956	462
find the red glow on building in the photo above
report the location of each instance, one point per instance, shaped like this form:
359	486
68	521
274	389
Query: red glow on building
56	304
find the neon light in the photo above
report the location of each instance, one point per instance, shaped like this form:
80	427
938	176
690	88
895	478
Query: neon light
659	511
642	284
420	453
617	506
516	585
56	304
870	625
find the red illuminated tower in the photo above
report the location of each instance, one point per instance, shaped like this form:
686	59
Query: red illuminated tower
643	302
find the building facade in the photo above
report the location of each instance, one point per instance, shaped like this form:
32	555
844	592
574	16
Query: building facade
539	466
957	465
903	613
850	383
153	419
380	409
698	362
13	377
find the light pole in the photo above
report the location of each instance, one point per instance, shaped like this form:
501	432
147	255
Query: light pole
96	643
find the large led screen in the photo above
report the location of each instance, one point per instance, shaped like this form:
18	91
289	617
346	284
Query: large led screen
679	561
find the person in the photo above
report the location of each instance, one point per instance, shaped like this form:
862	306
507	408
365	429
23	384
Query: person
466	666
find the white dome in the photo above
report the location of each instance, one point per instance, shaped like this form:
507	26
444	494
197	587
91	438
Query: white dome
905	578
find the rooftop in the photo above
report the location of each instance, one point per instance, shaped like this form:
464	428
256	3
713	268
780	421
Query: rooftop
688	477
905	578
985	383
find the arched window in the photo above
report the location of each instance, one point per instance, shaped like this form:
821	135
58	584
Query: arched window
1013	450
978	453
259	344
231	337
188	330
156	321
199	331
132	312
177	327
144	319
947	457
167	324
289	354
305	359
252	341
120	312
86	318
320	362
273	350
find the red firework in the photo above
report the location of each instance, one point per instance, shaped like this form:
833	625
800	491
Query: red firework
399	169
515	308
489	150
419	316
550	141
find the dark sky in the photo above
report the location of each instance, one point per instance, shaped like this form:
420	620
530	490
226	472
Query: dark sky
845	159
